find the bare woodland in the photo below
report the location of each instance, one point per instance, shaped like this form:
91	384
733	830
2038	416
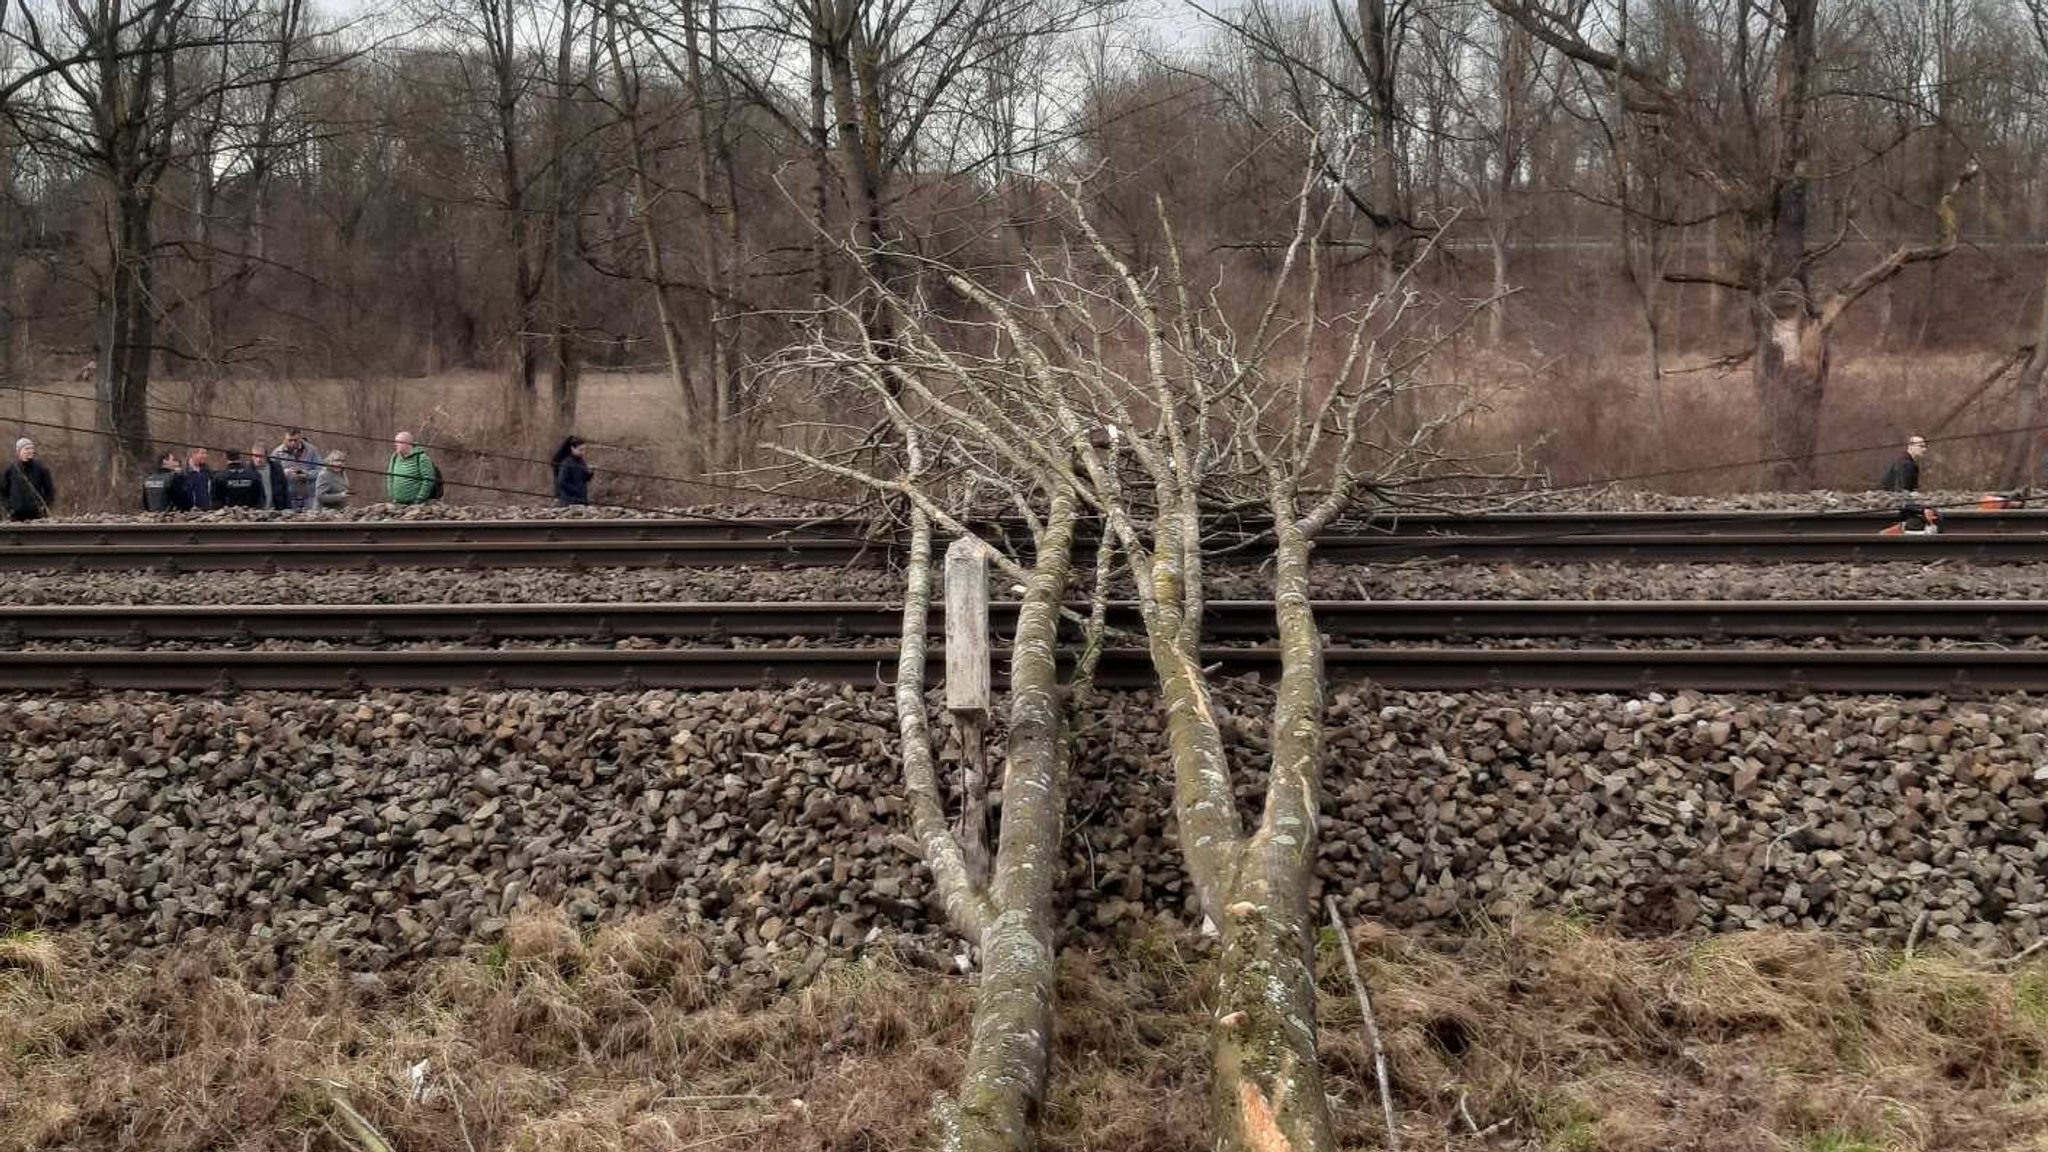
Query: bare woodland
200	191
1052	257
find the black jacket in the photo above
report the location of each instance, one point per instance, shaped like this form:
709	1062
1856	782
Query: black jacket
280	486
572	481
164	491
27	491
1902	476
238	487
199	488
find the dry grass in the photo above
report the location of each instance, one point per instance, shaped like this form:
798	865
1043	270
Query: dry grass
1592	417
1582	415
552	1042
633	420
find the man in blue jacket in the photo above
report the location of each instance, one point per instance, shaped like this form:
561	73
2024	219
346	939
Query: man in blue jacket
199	481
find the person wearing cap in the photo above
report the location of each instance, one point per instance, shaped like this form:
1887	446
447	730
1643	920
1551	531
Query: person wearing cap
410	477
27	489
1904	474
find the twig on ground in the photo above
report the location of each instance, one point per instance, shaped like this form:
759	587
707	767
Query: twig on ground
1913	937
362	1135
1372	1024
2020	956
1471	1125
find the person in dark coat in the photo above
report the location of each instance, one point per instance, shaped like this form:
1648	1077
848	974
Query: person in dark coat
27	489
164	489
277	493
199	481
572	473
239	485
1904	474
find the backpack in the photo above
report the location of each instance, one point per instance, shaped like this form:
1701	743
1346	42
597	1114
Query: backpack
434	488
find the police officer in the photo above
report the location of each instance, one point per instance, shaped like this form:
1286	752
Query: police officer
238	486
164	489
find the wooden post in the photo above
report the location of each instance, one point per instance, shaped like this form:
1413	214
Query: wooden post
967	691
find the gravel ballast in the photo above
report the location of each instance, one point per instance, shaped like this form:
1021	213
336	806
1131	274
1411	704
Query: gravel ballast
406	824
1336	582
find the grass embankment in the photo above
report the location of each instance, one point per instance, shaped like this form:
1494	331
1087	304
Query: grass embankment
1553	1037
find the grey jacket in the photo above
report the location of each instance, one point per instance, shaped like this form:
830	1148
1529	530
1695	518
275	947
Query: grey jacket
330	489
301	469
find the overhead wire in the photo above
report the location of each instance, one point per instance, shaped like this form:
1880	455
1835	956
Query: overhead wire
438	445
1411	546
475	485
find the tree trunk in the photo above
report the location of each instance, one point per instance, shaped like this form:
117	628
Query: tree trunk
628	86
1268	1087
1266	1091
1791	371
712	234
2021	468
1790	378
821	153
1497	312
131	340
1009	1058
1009	1061
525	335
562	363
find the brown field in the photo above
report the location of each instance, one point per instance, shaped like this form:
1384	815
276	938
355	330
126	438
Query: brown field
1552	1036
1582	419
634	420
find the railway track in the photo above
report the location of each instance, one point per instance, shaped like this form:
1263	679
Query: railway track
1350	623
173	555
165	534
1453	669
1345	621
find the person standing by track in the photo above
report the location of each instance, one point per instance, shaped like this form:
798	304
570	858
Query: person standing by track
199	481
276	486
164	489
1904	473
28	490
301	463
330	487
411	477
572	473
238	486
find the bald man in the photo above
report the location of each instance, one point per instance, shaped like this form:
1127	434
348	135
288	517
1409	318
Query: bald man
411	477
1904	474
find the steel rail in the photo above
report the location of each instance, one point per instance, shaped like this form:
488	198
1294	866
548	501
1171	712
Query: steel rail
315	530
1361	549
604	669
173	557
1347	620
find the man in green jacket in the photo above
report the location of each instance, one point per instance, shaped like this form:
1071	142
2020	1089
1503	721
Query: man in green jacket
411	477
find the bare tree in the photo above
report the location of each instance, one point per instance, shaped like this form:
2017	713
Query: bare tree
941	400
113	94
1123	392
2021	466
1759	152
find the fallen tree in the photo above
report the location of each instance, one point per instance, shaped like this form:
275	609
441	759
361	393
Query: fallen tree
1093	387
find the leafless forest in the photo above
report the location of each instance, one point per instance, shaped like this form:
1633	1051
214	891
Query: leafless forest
1696	231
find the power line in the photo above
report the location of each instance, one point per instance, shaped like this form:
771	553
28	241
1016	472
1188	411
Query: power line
451	483
1448	542
482	453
